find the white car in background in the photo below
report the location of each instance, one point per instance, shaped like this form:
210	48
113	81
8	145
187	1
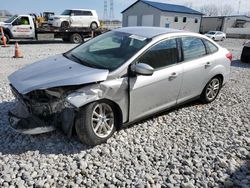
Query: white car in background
76	18
216	35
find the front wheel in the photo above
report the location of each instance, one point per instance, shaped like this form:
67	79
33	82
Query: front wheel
211	90
96	123
65	25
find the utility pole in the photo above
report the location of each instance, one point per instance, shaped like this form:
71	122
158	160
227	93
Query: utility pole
111	13
239	7
105	10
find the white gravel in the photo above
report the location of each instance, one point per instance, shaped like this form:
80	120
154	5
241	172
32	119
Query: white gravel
192	146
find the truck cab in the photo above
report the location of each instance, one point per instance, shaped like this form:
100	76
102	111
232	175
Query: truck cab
19	27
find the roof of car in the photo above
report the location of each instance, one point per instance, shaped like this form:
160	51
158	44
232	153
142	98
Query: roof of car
148	32
82	9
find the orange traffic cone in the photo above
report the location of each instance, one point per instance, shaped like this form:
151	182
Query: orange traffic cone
18	53
3	38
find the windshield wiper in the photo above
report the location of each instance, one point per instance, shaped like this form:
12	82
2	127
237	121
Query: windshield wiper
83	62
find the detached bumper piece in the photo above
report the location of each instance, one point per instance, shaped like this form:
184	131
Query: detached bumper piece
28	124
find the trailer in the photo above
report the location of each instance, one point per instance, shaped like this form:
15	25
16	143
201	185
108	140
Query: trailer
24	27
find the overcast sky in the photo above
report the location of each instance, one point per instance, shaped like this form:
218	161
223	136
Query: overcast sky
37	6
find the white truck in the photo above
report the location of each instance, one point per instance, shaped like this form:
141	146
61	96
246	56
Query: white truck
23	27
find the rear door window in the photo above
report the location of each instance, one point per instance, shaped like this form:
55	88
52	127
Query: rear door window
193	48
211	48
87	13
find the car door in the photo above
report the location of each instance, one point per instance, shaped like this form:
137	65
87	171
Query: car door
23	27
149	94
195	67
75	18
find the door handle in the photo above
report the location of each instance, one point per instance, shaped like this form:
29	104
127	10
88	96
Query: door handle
208	64
173	76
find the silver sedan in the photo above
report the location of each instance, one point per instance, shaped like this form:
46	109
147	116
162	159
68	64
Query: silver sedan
116	79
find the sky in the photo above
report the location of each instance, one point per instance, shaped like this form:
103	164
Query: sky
57	6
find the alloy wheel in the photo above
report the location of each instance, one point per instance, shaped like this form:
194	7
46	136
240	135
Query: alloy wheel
102	120
213	89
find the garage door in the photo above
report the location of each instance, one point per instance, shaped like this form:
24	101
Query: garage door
132	20
147	20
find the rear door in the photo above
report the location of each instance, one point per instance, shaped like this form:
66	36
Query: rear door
196	65
86	18
23	27
149	94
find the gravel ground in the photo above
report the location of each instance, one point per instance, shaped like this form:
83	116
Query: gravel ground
192	146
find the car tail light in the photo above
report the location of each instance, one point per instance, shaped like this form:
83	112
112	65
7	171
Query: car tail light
229	56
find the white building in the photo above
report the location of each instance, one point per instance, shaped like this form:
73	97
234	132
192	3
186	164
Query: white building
233	26
158	14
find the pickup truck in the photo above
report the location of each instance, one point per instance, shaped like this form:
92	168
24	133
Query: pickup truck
24	27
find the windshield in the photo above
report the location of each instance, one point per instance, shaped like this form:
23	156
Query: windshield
108	51
11	19
66	12
211	33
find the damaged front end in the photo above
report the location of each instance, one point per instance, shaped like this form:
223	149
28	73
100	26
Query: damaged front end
41	111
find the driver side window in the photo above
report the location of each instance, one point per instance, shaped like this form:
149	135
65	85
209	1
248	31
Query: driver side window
161	55
21	21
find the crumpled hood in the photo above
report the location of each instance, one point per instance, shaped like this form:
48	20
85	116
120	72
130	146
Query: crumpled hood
53	72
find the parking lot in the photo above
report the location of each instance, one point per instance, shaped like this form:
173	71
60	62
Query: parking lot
194	145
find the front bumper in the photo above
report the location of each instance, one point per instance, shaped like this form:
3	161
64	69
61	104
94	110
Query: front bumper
23	122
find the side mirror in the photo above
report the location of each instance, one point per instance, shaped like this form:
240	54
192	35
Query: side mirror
142	69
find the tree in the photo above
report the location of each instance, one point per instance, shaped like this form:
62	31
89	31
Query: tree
226	10
209	10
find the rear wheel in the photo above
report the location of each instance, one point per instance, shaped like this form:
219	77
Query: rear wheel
93	26
96	123
65	25
76	38
211	91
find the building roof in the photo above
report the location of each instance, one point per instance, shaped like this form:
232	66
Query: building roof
147	32
226	16
167	7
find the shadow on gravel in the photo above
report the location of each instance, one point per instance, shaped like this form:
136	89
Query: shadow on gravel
240	178
15	143
238	63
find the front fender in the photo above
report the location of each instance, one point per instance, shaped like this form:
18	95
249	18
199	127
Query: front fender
113	90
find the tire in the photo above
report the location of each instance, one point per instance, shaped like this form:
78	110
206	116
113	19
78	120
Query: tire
211	90
93	26
7	39
65	25
98	114
76	38
223	38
